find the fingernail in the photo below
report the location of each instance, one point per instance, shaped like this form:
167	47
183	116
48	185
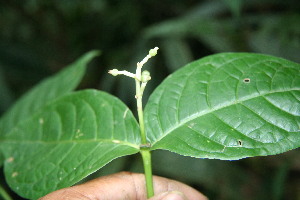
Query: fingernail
174	195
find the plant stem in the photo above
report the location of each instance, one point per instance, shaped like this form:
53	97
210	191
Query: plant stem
141	79
144	149
146	155
4	194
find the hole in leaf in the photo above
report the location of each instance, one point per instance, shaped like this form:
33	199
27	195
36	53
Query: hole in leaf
246	80
240	143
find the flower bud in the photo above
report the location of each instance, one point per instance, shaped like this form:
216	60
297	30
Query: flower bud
114	72
145	76
153	52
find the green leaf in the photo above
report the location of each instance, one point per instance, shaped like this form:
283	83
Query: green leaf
227	106
48	90
67	140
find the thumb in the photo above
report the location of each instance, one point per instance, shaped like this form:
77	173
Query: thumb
171	195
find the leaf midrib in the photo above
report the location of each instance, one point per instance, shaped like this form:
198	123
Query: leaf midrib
216	108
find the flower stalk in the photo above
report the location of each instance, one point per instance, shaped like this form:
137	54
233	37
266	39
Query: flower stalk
141	80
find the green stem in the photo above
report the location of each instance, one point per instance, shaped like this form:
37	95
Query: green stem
141	80
4	194
145	152
146	155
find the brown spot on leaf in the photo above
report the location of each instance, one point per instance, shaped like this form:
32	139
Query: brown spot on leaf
10	159
14	174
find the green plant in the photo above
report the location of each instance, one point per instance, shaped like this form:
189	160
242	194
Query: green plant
226	106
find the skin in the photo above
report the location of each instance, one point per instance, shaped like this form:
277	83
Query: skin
126	186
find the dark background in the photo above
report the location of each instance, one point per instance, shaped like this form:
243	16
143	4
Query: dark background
40	37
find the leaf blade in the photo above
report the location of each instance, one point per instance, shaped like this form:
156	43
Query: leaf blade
200	110
67	140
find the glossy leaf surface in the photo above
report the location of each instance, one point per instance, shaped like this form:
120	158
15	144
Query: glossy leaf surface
67	140
61	83
227	106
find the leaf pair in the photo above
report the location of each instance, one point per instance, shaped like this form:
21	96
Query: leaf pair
226	106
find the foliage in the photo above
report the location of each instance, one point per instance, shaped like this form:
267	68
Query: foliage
237	104
227	106
40	37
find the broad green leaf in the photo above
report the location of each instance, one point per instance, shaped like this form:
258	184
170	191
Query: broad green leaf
67	140
227	106
49	89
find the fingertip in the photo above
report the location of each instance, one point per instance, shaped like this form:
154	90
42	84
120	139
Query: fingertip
171	195
175	195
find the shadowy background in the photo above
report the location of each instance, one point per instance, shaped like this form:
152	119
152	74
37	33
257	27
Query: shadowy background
40	37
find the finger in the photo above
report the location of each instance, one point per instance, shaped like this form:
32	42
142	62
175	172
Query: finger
124	185
176	188
173	195
116	186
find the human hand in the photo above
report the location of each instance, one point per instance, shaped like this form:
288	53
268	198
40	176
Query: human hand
126	186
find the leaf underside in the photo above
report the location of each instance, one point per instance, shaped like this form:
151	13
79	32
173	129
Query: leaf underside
227	106
67	140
